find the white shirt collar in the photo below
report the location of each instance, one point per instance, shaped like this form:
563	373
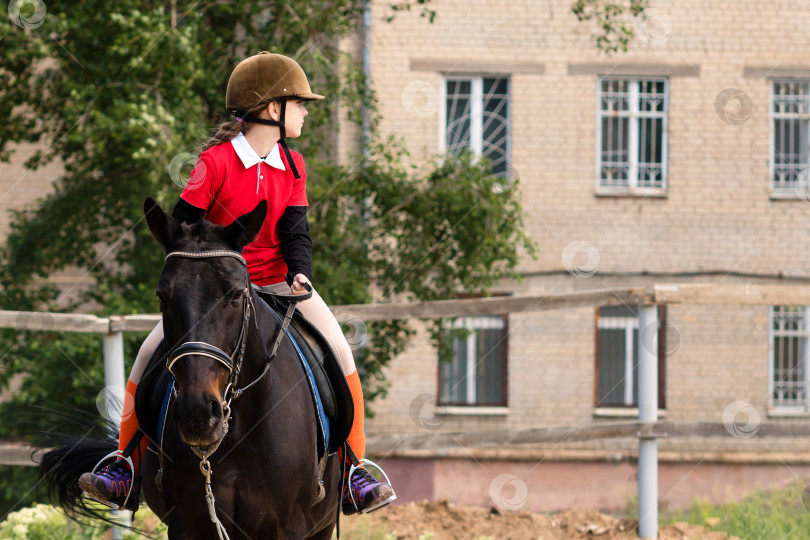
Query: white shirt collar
249	156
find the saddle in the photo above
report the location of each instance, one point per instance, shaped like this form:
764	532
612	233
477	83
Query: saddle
329	389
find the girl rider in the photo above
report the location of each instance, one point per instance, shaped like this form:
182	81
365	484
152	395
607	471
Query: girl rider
247	160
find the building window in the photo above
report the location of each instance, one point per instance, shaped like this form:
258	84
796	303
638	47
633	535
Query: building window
617	356
789	152
476	373
632	136
788	351
475	117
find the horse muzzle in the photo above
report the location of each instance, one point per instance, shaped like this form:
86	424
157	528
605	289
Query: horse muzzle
200	419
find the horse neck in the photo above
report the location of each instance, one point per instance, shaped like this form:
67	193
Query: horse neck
260	336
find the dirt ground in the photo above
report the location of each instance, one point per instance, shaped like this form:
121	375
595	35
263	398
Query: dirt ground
444	521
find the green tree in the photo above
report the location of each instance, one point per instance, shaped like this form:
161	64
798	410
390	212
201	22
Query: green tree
615	26
123	93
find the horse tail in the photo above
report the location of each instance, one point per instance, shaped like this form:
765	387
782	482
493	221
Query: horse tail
61	467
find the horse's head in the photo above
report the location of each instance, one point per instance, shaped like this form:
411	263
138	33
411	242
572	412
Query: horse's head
204	294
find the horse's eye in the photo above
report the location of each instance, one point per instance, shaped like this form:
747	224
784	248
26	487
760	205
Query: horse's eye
235	296
161	299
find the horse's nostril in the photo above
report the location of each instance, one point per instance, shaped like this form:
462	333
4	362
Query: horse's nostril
216	408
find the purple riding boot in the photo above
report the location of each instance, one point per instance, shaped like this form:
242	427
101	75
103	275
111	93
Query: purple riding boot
112	485
364	493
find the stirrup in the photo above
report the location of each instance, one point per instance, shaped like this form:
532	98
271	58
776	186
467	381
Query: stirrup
387	481
128	461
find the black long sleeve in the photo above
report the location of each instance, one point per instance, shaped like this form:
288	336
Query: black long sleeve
187	212
296	245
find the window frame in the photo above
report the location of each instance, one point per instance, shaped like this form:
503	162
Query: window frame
783	408
599	409
461	322
633	190
795	192
476	112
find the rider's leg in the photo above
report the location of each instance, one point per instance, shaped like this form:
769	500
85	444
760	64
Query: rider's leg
129	421
319	314
374	493
113	483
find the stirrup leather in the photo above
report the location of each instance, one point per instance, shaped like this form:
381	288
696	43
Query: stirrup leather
351	492
128	461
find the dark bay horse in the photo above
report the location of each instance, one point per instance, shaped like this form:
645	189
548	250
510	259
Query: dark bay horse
265	473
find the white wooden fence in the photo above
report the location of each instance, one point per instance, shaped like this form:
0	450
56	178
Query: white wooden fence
648	429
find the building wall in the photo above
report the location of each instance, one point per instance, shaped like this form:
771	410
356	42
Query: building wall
717	213
717	221
20	187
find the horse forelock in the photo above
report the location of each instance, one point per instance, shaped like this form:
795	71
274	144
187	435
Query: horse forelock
202	236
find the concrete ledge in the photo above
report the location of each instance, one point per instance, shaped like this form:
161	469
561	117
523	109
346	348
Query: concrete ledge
633	70
787	72
506	68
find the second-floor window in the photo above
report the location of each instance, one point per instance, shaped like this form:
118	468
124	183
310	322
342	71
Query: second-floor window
476	118
632	136
790	113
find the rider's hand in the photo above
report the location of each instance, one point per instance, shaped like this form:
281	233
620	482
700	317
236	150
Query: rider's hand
298	284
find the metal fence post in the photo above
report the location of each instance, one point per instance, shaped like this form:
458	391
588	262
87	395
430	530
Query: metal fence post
114	378
114	375
648	412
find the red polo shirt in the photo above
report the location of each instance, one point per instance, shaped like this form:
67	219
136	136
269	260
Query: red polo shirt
230	179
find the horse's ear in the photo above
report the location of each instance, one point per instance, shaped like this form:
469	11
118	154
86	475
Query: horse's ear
163	227
245	228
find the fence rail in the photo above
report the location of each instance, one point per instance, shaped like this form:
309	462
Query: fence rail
648	429
657	294
19	454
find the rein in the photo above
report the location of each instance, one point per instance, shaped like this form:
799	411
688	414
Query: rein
233	362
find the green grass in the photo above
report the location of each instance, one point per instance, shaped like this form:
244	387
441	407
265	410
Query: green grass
774	514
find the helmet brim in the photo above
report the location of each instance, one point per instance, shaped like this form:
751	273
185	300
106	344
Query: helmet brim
309	97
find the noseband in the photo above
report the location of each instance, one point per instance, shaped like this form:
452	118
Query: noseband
233	361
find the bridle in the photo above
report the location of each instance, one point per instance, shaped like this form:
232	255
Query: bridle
233	362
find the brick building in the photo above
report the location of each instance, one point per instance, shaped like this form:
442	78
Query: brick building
681	161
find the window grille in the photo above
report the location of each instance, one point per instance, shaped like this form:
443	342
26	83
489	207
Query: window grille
788	351
790	110
632	133
476	118
476	375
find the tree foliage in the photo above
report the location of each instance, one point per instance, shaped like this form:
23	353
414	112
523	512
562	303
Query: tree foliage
614	21
123	93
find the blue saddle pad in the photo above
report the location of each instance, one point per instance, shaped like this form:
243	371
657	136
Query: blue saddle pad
323	421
